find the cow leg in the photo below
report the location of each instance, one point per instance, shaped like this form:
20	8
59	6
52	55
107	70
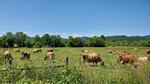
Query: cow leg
131	62
96	63
10	62
102	63
93	63
121	62
83	61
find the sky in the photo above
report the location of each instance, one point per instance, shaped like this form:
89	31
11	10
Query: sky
75	17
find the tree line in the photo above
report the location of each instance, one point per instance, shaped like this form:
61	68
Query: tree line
20	39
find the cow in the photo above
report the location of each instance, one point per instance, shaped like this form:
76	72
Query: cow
91	57
37	50
50	50
17	50
25	55
110	52
143	59
50	55
5	49
126	58
135	49
85	51
148	51
8	57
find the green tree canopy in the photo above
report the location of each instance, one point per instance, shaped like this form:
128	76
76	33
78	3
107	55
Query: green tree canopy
96	42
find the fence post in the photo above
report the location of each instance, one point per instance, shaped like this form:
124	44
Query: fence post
67	61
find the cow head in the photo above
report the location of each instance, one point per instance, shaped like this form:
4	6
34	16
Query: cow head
148	58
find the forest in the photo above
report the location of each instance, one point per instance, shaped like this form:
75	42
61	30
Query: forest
20	39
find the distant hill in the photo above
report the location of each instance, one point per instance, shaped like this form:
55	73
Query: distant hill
123	37
84	37
147	36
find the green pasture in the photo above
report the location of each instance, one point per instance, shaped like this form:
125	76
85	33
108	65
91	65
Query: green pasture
111	73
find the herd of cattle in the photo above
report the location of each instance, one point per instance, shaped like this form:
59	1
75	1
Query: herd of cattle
25	55
85	56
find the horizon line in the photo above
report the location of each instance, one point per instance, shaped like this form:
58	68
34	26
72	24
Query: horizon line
66	35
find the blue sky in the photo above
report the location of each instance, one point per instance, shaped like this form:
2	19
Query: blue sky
75	17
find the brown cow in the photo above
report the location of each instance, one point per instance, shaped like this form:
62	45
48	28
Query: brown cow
50	50
91	57
8	57
37	50
148	51
25	55
17	50
50	55
126	58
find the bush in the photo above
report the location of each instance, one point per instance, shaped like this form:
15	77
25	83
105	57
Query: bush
70	76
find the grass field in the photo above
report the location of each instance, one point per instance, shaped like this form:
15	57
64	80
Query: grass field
111	73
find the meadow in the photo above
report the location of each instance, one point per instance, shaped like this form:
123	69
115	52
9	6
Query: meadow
38	71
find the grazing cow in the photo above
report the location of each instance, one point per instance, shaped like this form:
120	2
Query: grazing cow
17	50
126	58
114	52
143	59
5	49
148	51
50	50
135	49
37	50
50	55
25	55
84	51
91	57
8	57
110	52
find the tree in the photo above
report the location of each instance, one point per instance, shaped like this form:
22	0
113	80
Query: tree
46	40
37	41
1	42
103	37
8	39
96	42
78	42
70	41
28	42
52	41
20	38
56	41
75	42
148	43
